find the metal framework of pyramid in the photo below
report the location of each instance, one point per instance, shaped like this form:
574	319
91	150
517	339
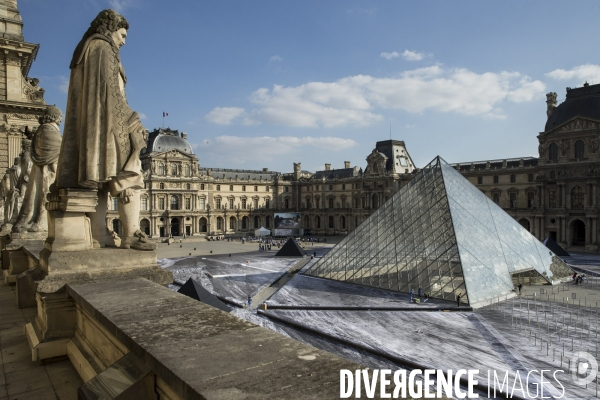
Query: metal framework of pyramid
440	233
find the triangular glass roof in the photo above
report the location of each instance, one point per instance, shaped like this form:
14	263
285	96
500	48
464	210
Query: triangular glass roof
440	233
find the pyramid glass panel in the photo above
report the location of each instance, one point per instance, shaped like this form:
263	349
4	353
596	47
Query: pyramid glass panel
442	234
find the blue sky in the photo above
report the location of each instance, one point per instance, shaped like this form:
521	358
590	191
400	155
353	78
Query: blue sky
266	83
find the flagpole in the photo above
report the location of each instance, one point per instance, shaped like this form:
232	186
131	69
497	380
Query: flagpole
163	120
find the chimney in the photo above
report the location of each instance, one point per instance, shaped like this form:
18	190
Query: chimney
265	169
551	102
346	164
184	135
327	167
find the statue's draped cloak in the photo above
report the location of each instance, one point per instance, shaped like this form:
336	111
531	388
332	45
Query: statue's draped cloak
102	136
45	145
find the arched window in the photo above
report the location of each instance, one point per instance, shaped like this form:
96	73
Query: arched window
161	185
231	203
287	203
161	169
173	169
318	222
202	225
579	147
186	170
330	221
219	223
174	203
218	203
577	197
202	186
343	222
188	186
232	223
255	204
244	222
244	204
553	152
306	222
267	203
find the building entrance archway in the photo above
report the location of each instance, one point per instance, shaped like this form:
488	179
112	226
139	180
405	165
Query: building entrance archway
525	224
175	227
578	233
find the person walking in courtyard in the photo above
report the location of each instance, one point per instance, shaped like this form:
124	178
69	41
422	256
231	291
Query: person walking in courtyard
412	295
249	301
458	299
520	287
420	293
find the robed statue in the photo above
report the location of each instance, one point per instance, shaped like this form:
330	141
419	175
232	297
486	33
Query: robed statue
103	137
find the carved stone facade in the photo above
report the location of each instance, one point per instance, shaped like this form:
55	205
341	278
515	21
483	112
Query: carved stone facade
21	99
556	194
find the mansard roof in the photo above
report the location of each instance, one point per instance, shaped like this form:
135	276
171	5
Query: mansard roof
580	102
162	140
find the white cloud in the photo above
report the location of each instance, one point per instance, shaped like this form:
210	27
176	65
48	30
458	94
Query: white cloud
389	56
239	150
120	5
354	100
63	86
142	115
275	58
586	72
224	115
412	55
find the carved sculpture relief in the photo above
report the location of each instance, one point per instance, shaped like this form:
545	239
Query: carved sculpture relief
594	145
542	149
564	147
32	91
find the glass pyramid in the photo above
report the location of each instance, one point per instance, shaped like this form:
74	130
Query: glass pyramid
440	233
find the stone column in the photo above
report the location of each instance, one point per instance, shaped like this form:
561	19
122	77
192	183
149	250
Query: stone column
588	230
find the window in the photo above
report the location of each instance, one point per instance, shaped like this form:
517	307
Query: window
218	203
115	203
530	199
202	203
144	204
306	222
161	185
343	222
513	178
495	178
231	188
530	178
161	203
552	175
186	170
173	169
513	199
268	222
188	186
255	204
318	222
496	197
330	187
219	222
243	188
232	223
579	149
174	203
268	188
219	187
188	203
287	188
330	200
356	203
287	203
161	169
343	186
256	188
231	203
244	222
244	204
577	197
479	180
330	221
267	203
202	186
256	222
553	152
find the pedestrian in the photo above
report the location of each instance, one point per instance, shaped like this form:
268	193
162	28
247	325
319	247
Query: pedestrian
315	254
420	293
520	287
249	301
458	300
412	295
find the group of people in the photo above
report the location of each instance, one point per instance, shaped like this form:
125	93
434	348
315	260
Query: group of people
420	295
578	279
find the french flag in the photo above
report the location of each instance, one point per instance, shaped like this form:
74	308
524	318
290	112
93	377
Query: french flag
165	114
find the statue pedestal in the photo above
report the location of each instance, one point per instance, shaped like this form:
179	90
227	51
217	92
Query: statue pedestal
68	257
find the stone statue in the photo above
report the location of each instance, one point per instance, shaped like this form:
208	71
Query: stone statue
11	204
102	135
45	147
551	103
4	189
542	149
594	145
25	162
564	146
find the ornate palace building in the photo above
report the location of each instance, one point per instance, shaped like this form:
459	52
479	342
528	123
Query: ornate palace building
556	194
553	195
